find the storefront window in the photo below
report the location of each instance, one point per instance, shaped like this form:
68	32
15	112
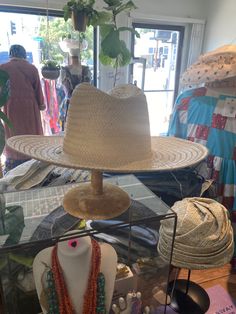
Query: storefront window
42	36
46	36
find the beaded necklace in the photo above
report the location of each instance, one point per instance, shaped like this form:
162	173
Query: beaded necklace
94	297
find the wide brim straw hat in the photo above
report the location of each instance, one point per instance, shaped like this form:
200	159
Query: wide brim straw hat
204	235
110	132
216	65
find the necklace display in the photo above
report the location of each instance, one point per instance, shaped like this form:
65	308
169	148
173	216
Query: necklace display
94	298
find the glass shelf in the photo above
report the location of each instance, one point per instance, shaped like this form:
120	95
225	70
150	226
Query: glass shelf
33	212
35	219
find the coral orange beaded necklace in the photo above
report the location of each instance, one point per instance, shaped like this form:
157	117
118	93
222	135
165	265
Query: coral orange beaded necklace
90	297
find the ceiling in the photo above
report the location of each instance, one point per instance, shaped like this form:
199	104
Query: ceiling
50	4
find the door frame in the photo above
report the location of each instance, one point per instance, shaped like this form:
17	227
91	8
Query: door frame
180	29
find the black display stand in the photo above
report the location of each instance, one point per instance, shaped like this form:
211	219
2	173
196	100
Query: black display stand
188	297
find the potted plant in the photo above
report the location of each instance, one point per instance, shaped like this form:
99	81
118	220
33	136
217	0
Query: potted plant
50	69
81	12
113	51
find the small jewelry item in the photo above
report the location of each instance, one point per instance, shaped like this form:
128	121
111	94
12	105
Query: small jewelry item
132	304
101	308
121	271
94	297
51	294
73	243
136	303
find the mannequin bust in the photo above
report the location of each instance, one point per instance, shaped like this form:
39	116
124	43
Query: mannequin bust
74	256
74	73
71	75
74	65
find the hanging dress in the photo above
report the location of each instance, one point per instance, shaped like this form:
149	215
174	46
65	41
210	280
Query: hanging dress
204	116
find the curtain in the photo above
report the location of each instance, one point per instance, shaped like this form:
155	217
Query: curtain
196	42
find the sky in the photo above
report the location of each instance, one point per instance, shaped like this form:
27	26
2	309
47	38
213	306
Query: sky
26	27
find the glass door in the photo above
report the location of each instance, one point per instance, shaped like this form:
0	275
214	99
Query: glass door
160	47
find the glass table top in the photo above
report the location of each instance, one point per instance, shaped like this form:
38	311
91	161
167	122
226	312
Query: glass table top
37	215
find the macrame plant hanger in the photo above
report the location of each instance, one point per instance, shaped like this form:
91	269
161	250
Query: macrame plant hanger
47	31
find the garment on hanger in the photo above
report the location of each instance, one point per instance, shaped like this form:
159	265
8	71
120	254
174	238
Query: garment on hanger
69	79
51	114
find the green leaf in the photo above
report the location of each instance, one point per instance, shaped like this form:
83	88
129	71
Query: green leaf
2	137
112	2
124	57
4	118
105	29
100	18
4	87
50	64
111	44
67	14
125	7
132	30
105	60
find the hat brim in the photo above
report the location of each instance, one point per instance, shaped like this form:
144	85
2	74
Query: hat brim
213	66
184	259
207	73
168	153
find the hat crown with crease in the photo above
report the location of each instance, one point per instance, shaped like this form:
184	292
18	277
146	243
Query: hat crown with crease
112	125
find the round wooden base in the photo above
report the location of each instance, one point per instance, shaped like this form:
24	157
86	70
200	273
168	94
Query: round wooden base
82	202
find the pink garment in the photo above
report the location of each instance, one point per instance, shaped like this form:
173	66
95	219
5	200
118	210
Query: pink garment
26	99
51	115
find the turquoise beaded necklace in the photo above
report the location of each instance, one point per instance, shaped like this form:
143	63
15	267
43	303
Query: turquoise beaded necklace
52	296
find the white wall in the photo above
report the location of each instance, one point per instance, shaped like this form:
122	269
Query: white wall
176	8
221	24
52	4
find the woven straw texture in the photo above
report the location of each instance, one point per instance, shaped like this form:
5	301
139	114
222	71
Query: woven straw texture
107	132
204	235
217	65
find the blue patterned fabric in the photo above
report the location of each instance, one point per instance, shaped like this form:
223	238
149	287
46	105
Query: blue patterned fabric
204	116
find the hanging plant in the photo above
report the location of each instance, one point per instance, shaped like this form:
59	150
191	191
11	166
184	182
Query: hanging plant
50	69
81	12
80	21
114	51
